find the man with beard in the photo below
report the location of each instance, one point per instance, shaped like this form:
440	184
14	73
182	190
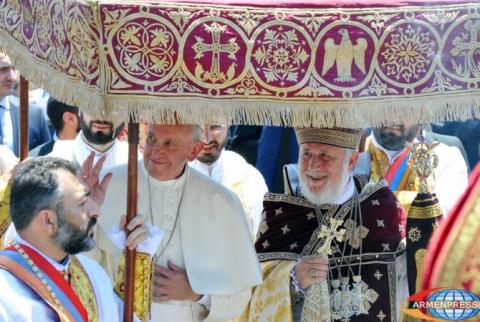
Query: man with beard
98	137
232	170
41	277
386	156
359	225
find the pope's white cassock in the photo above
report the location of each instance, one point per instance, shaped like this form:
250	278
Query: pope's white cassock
19	303
235	173
77	150
206	233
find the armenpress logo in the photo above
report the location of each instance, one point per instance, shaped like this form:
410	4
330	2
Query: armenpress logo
440	304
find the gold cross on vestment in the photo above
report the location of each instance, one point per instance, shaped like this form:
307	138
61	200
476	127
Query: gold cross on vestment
330	233
216	48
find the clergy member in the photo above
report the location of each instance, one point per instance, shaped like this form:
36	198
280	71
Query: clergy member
206	265
41	278
359	227
97	136
387	155
232	170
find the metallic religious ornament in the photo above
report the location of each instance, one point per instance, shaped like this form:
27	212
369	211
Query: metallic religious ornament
422	161
317	300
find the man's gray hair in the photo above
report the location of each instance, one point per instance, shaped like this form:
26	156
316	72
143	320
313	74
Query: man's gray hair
348	155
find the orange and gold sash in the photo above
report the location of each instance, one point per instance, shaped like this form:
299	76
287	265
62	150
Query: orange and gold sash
70	295
398	173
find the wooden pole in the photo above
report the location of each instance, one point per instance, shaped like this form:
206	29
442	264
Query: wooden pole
133	135
23	118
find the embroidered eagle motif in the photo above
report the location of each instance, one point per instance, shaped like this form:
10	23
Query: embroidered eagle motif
344	54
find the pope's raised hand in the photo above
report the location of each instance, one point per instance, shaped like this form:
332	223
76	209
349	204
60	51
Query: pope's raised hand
90	175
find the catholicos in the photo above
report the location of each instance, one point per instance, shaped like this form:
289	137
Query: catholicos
332	228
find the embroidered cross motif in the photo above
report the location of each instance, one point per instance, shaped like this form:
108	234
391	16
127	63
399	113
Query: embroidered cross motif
386	247
263	227
380	223
355	233
310	216
375	202
294	245
278	211
265	244
285	229
381	315
329	234
467	46
216	48
378	275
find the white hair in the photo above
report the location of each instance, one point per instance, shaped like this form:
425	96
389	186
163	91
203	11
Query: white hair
197	132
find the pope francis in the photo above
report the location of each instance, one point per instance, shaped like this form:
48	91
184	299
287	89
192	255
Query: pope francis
206	265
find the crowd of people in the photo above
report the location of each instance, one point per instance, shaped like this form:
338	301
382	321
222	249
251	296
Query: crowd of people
327	243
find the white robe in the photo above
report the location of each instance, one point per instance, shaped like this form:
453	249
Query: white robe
19	303
210	241
245	180
77	150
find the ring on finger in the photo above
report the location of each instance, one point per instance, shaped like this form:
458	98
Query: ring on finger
313	272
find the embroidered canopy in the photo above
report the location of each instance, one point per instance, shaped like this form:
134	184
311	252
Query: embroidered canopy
290	62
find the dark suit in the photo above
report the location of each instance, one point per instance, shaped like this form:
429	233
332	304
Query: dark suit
468	132
38	132
42	149
277	147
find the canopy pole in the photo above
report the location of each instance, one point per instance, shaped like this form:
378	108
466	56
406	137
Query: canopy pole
133	139
23	118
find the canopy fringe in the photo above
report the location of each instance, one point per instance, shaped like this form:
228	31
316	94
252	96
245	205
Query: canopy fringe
353	113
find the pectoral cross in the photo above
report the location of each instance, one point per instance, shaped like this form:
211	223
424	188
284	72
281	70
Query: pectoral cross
330	233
